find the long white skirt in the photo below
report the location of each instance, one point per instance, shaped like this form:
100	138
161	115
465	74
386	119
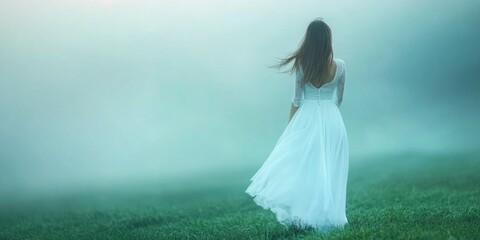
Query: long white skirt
304	179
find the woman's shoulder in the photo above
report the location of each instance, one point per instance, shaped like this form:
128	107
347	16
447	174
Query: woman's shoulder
340	61
341	64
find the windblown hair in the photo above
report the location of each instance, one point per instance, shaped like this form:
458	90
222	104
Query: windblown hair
314	54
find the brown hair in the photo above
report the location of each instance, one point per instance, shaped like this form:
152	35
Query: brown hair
313	55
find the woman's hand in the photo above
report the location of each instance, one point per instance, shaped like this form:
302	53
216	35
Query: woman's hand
293	110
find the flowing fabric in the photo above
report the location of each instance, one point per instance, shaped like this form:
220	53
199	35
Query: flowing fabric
304	179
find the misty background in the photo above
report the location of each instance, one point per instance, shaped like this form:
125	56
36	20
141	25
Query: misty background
112	92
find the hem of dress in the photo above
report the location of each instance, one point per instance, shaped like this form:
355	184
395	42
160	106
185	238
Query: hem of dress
267	204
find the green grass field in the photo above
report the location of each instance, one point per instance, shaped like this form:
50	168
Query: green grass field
407	196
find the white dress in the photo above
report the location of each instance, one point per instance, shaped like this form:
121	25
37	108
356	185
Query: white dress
304	179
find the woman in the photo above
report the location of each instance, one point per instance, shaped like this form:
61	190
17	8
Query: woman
304	179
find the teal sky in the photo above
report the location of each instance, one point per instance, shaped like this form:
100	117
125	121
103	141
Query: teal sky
109	92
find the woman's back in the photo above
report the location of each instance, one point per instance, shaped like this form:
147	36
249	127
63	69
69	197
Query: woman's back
332	90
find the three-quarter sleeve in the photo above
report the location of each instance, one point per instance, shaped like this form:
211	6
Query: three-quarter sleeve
341	86
298	88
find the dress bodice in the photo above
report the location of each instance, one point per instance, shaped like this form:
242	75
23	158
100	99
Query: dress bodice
332	90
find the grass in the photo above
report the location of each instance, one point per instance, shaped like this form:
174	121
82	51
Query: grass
407	196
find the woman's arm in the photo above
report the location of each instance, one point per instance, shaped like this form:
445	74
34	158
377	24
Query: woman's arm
297	93
293	110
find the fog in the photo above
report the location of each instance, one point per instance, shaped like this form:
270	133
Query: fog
108	92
